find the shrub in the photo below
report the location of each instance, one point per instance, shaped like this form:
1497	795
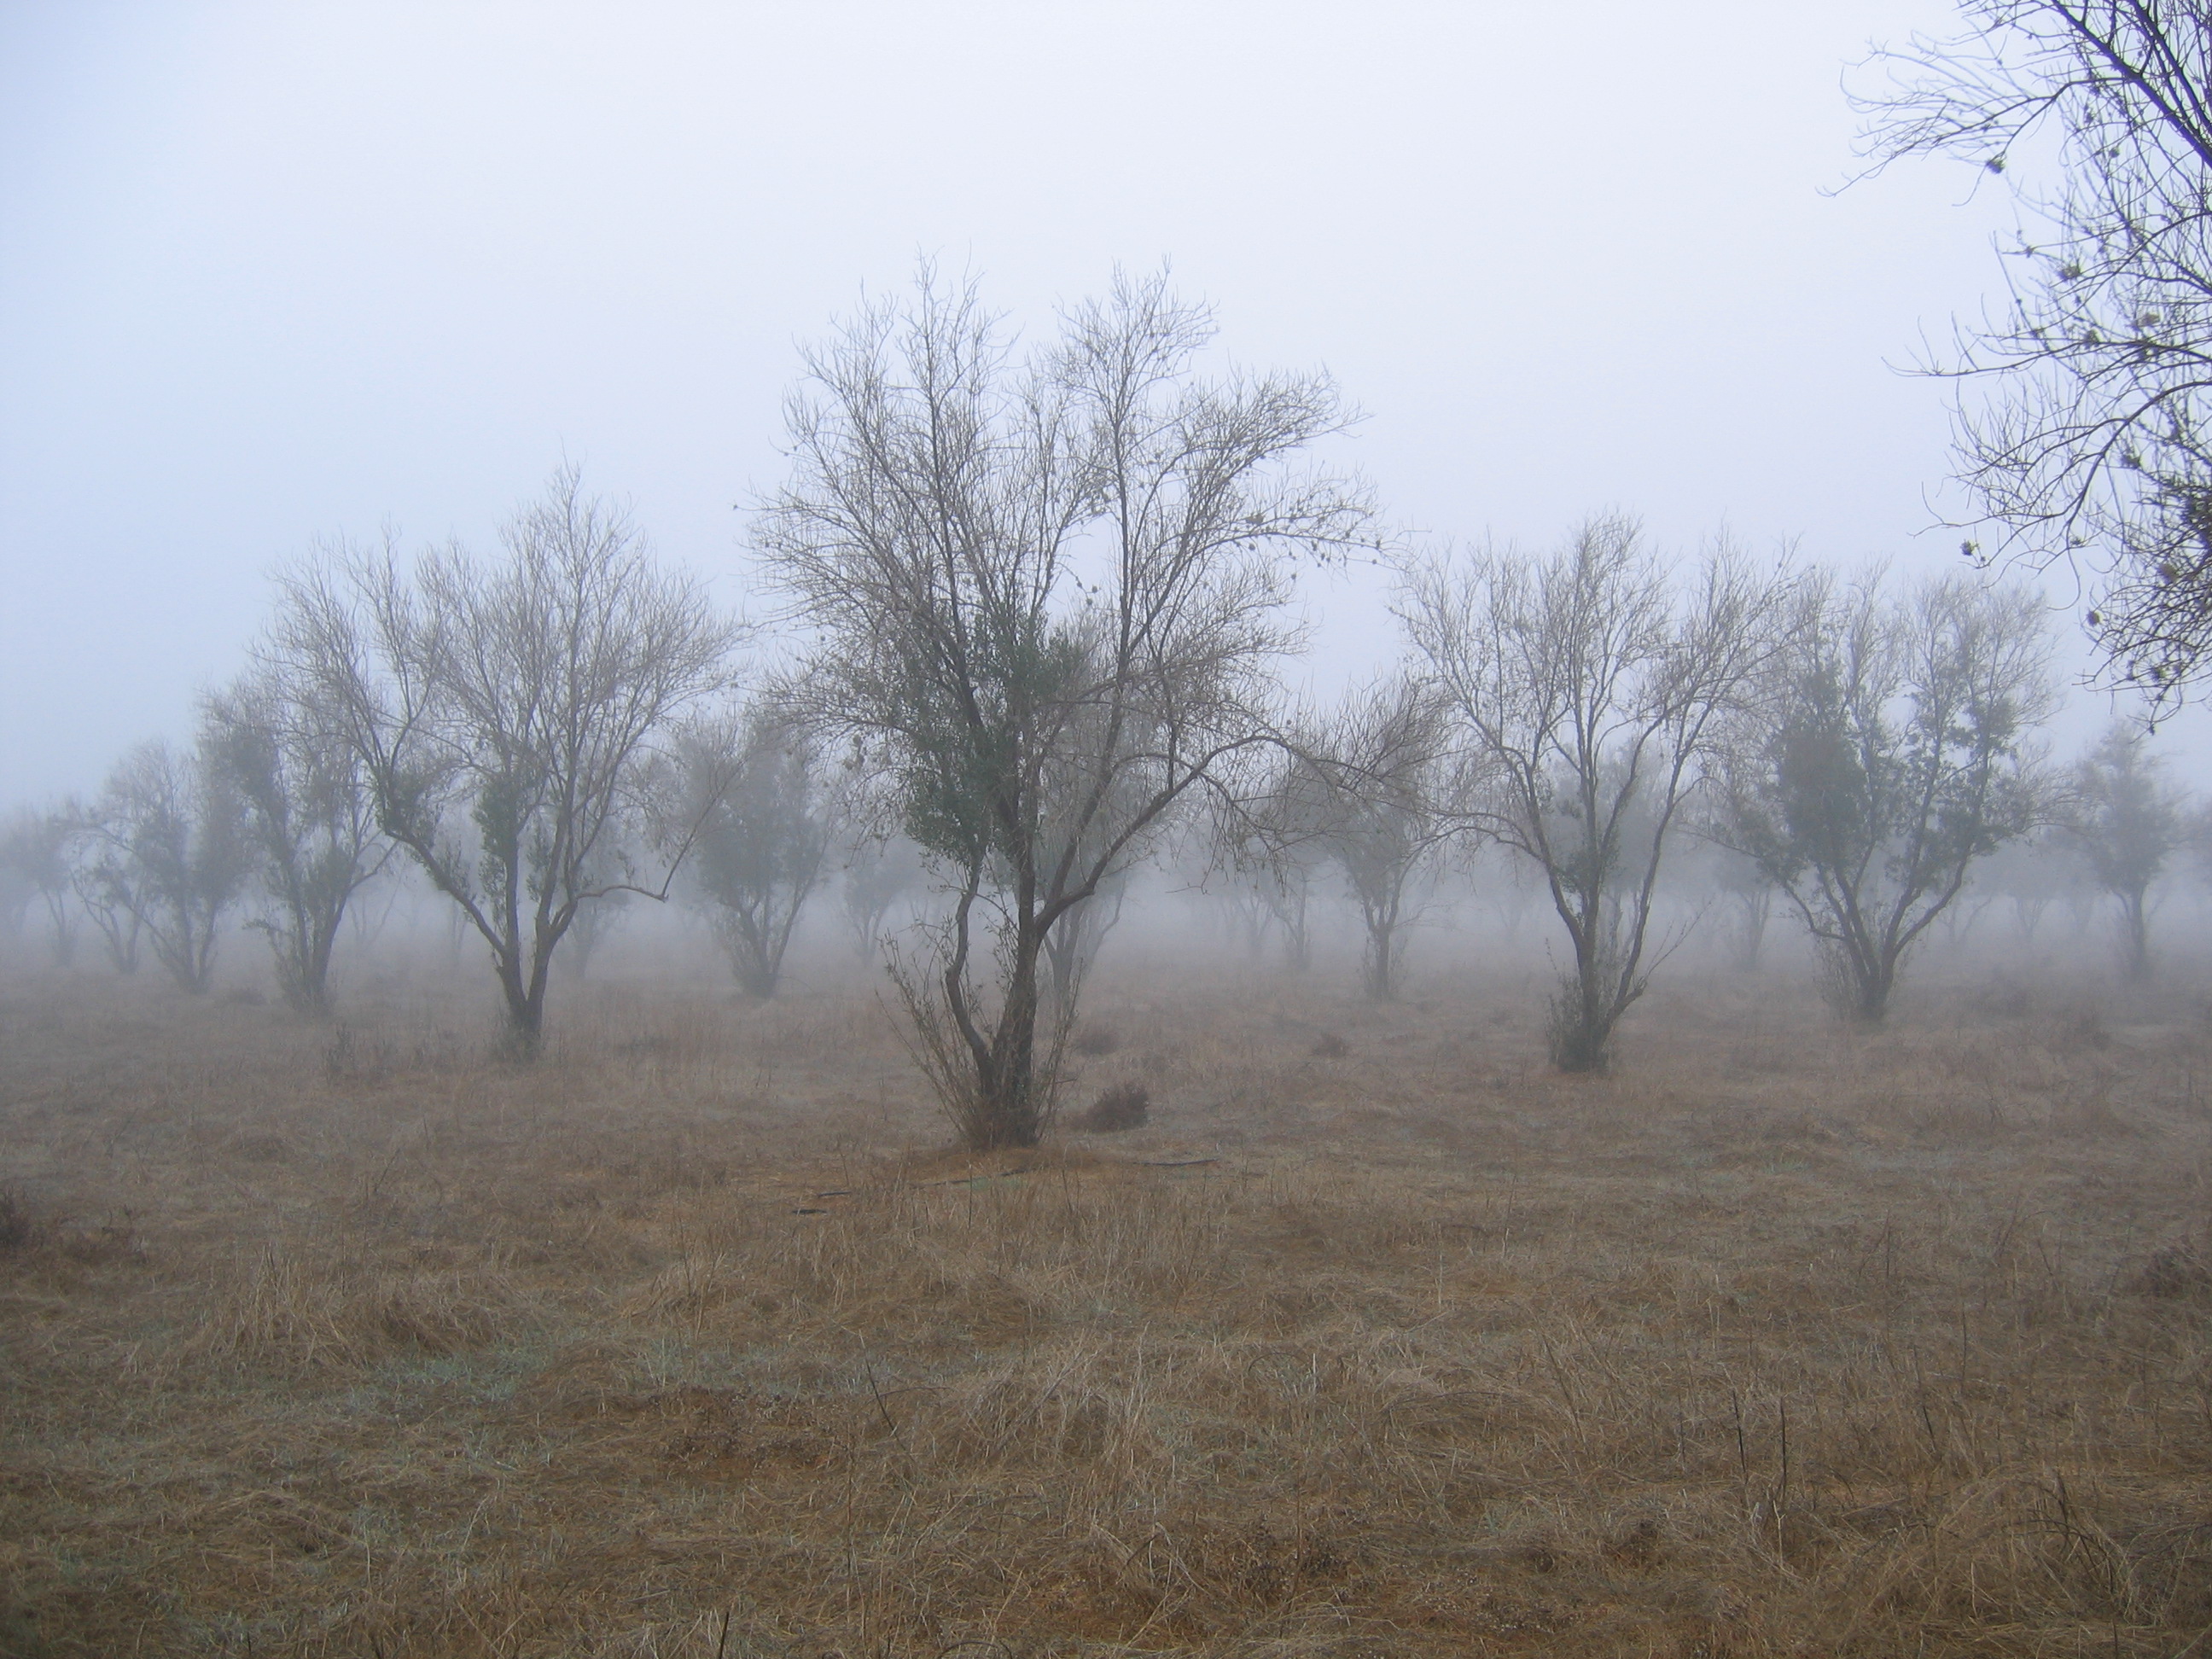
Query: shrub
1095	1040
1124	1106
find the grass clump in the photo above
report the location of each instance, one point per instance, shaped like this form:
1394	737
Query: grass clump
1124	1107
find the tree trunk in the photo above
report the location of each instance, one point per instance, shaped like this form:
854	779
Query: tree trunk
525	1011
1381	963
1579	1025
1011	1115
2136	935
754	963
1872	977
1751	932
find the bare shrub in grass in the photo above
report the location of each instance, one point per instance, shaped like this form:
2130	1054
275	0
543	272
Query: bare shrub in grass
2127	820
17	1228
1385	803
769	809
1123	1107
164	856
308	821
2172	1272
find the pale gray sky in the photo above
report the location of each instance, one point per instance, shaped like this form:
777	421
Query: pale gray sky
275	270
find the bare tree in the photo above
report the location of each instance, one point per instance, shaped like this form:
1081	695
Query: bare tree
1586	685
1047	591
2082	419
37	847
1071	948
1885	761
598	918
167	855
1747	895
310	820
1072	945
769	814
2128	821
1261	844
1386	806
106	883
2028	873
881	867
504	714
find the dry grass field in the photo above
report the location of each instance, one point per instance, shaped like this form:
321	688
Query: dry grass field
1378	1339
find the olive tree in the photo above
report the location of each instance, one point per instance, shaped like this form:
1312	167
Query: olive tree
1586	685
1262	846
36	844
2128	821
1886	757
1383	806
164	855
1071	949
769	813
1046	589
508	713
106	882
880	867
309	818
598	918
2086	399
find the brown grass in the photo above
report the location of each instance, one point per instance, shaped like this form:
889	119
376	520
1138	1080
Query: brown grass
692	1340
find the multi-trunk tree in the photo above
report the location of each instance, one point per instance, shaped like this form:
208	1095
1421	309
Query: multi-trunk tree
1046	590
1886	756
309	822
769	810
1588	686
1378	785
508	713
2126	819
162	857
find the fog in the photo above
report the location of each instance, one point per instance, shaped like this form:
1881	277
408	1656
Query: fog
1671	1119
1481	928
268	273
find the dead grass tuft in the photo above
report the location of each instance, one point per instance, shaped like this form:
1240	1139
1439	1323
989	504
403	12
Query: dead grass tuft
17	1230
292	1311
2171	1273
1118	1109
1095	1041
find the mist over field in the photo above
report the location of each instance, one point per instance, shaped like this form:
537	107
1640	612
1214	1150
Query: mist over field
1113	830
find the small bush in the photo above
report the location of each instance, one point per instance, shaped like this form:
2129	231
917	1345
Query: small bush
349	1058
2083	1027
1124	1106
1329	1045
2173	1272
17	1230
1095	1040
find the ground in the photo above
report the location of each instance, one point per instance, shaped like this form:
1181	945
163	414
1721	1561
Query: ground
695	1337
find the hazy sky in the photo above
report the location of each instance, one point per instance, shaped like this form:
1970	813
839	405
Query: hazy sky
272	271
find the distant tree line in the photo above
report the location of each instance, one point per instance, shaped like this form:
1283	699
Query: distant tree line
1042	600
